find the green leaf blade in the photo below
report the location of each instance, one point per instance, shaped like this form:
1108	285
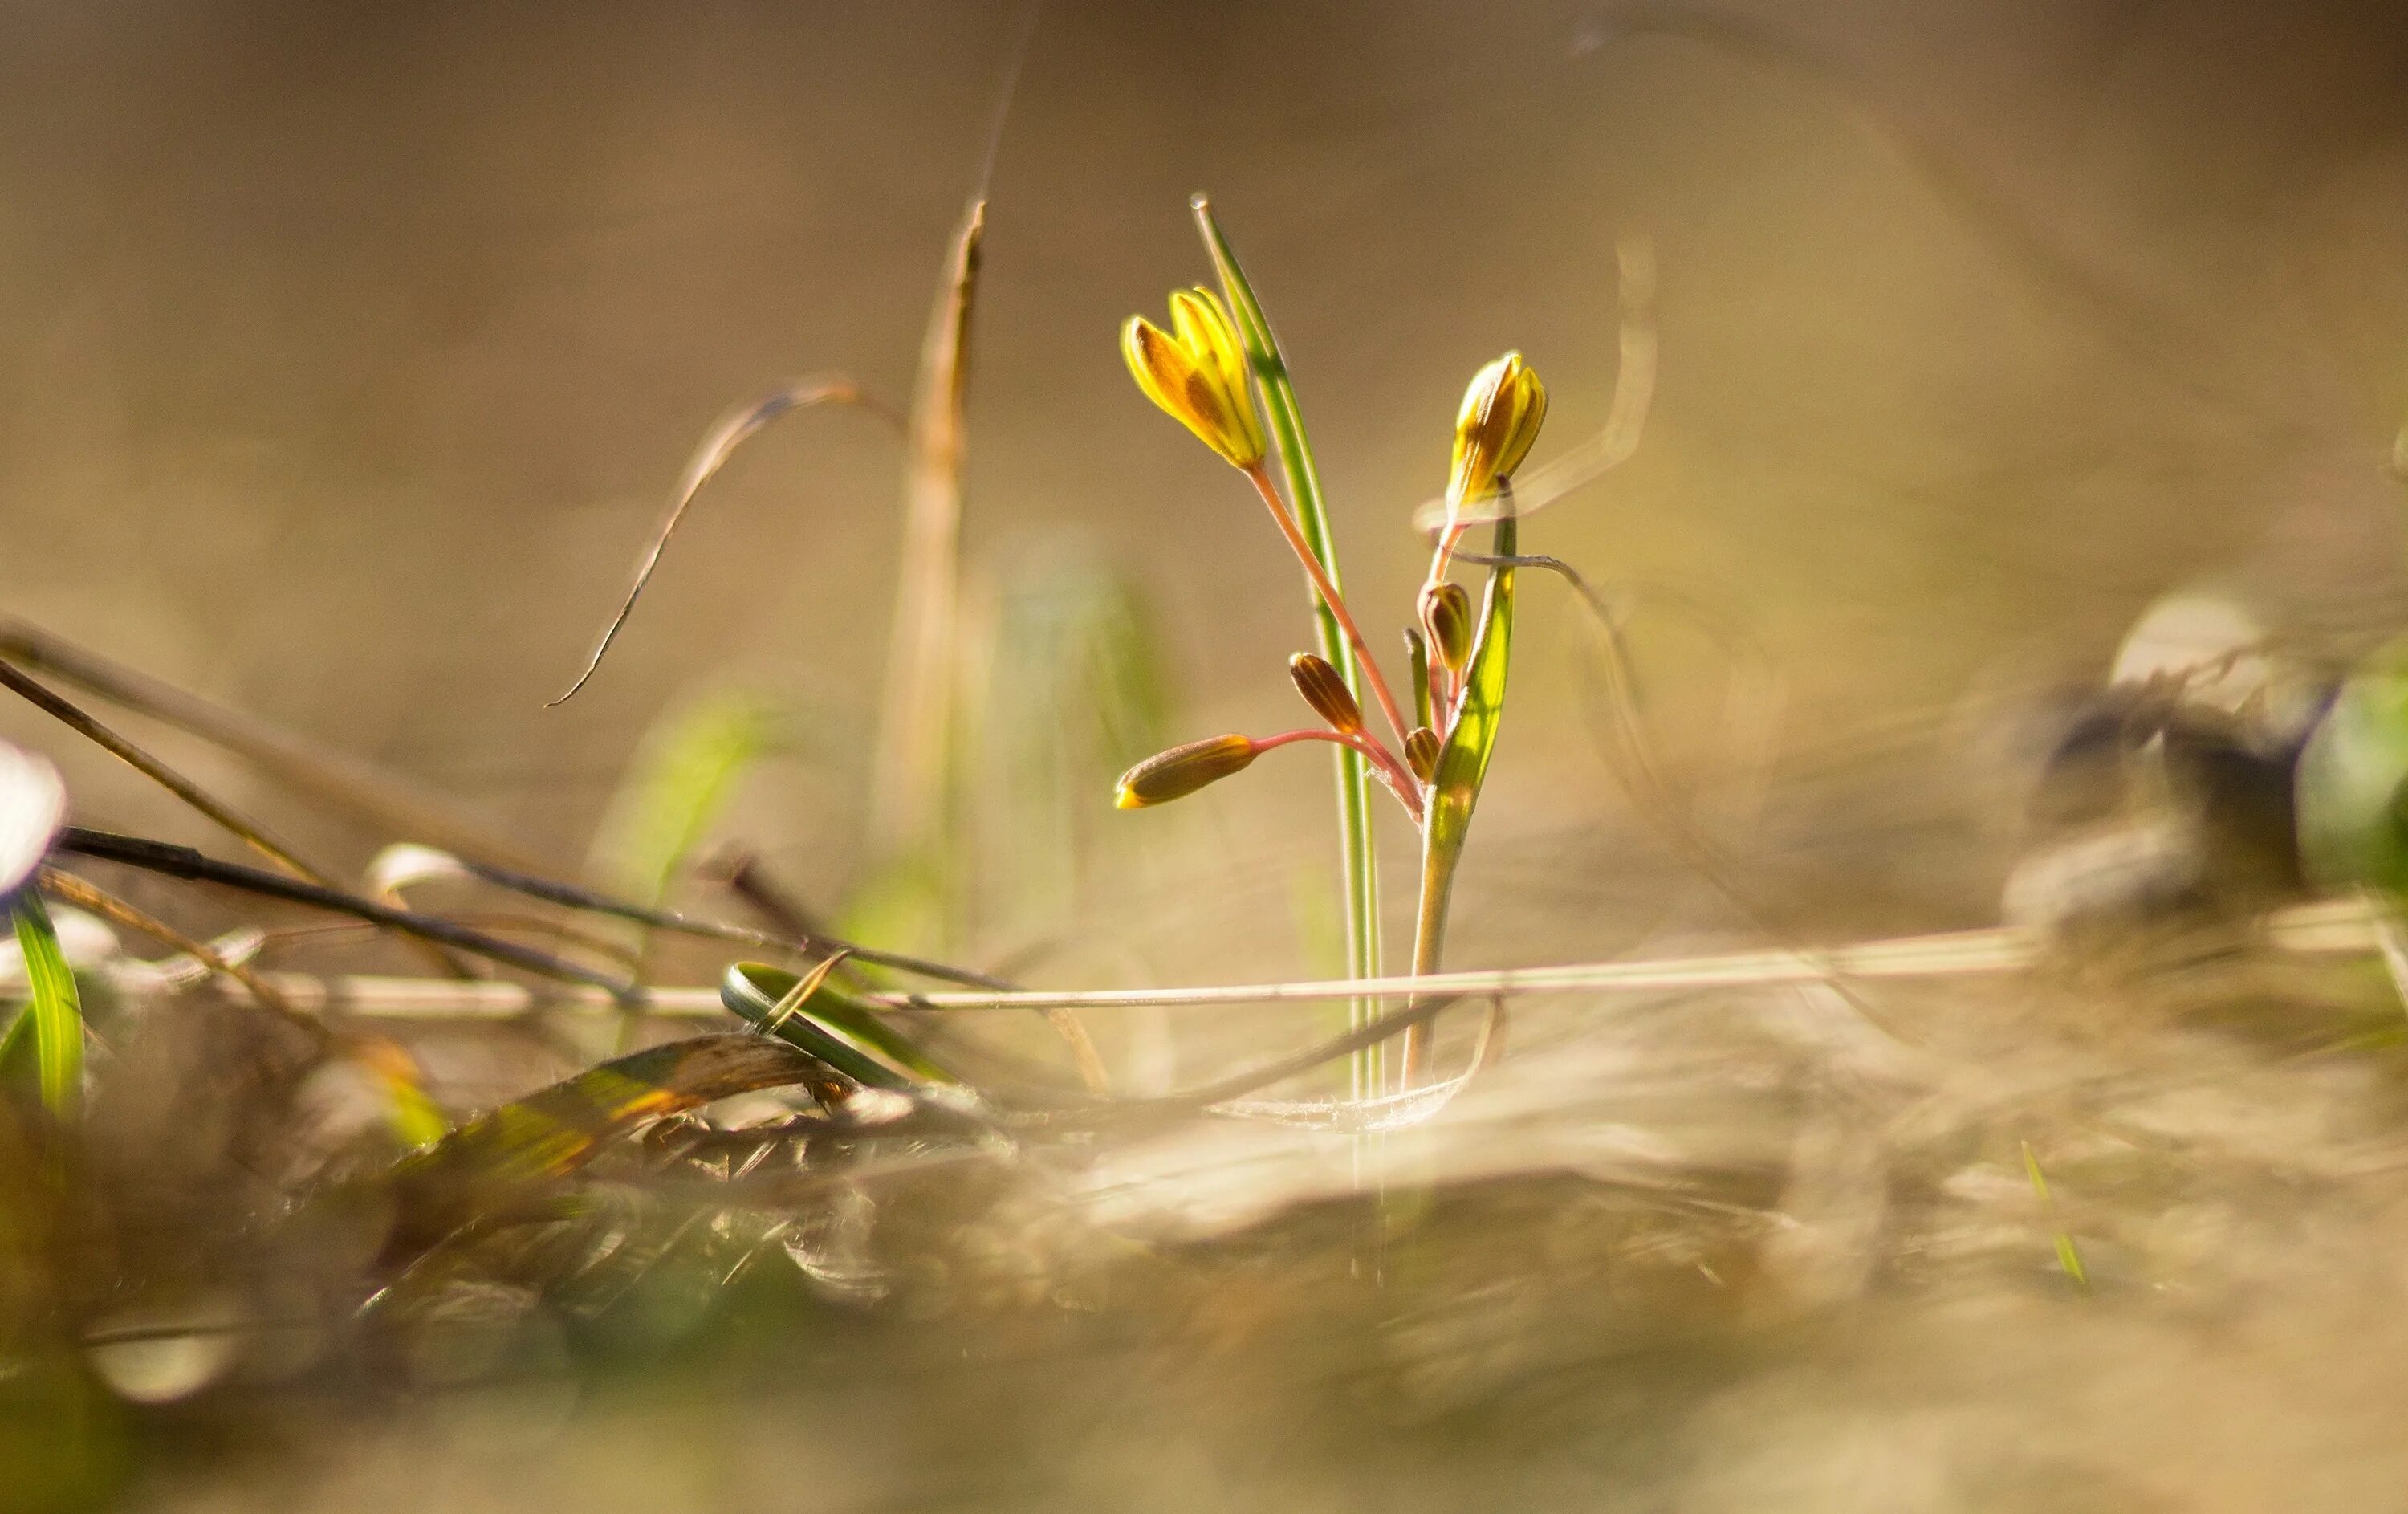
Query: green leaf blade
840	1030
1463	761
1358	853
53	1014
2353	780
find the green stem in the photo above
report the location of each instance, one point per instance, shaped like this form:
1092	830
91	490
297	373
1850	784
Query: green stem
1463	766
1357	856
1440	852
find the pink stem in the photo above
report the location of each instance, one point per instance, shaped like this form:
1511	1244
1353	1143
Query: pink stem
1328	593
1400	782
1450	536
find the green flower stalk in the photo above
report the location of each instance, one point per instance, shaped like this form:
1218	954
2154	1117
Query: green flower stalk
1196	372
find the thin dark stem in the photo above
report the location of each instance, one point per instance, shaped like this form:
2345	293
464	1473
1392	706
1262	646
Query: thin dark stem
248	830
184	863
336	778
84	894
575	897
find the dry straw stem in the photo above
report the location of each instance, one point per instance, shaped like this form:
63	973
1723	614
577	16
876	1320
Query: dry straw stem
68	888
2341	927
250	832
340	781
907	804
186	863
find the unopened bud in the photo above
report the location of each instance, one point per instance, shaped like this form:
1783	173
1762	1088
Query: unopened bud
1421	753
1446	616
1182	771
1326	690
1499	418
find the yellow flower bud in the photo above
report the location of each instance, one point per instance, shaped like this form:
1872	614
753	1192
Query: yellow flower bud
1493	432
1326	692
1446	620
1196	372
1421	752
1182	771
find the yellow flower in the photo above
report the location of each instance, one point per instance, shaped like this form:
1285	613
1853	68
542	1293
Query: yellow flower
1493	432
1182	771
1197	372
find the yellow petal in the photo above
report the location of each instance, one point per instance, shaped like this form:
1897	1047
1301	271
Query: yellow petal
1494	428
1529	413
1205	330
1160	365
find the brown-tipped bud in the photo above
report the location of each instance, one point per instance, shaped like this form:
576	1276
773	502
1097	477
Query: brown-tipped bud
1182	771
1446	617
1326	692
1421	752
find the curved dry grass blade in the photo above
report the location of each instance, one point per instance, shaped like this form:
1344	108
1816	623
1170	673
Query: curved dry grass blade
242	825
184	863
85	895
498	1158
914	721
723	441
337	778
1237	1086
405	864
1754	687
1626	419
1388	1112
53	1013
398	869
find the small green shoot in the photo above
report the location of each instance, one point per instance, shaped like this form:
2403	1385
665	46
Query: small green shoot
53	1020
681	778
2068	1259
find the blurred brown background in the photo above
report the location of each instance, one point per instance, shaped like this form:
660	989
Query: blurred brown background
349	351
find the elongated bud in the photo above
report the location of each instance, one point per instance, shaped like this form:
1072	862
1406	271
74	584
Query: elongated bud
1446	617
1417	657
1501	416
1326	692
1182	771
1421	752
1196	372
